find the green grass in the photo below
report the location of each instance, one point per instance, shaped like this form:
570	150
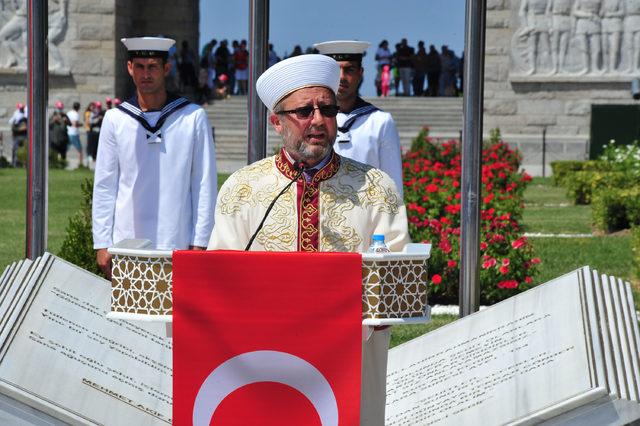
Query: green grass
541	191
557	220
548	211
401	334
64	201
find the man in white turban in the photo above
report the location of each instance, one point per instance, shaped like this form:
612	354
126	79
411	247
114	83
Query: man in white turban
330	203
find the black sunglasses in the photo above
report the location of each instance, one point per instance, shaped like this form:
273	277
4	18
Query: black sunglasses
305	112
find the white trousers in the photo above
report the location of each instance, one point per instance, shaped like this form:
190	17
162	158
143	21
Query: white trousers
374	378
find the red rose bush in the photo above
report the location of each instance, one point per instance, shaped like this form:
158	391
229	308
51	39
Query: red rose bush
432	195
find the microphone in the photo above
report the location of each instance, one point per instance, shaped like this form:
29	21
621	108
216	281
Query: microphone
299	167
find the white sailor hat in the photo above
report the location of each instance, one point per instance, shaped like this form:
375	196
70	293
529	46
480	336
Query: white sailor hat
148	47
343	50
285	77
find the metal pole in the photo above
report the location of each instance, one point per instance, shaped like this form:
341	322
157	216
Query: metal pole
544	150
37	165
472	156
258	61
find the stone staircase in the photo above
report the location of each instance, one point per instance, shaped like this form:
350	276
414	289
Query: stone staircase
229	118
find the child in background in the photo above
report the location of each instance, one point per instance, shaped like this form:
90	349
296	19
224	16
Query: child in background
385	80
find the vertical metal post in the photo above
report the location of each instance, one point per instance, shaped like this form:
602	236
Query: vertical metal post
37	164
472	156
544	151
258	61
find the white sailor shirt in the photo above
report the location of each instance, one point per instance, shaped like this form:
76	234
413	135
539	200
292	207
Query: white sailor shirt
372	139
155	177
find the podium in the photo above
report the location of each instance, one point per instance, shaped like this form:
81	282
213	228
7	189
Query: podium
394	285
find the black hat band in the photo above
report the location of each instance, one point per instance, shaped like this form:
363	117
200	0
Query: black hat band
346	56
148	54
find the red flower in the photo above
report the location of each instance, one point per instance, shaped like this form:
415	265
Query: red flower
483	246
508	284
535	260
528	280
451	263
489	263
505	261
519	242
504	270
432	188
436	279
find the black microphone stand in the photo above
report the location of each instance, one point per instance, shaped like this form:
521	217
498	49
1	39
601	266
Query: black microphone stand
300	168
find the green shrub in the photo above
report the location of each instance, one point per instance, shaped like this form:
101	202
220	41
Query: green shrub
561	169
55	160
615	209
635	247
77	246
582	184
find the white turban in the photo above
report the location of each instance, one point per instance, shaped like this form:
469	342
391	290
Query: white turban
295	73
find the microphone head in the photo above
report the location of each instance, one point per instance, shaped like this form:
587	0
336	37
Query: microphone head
299	166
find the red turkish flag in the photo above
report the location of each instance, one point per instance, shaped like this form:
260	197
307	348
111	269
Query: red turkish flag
266	338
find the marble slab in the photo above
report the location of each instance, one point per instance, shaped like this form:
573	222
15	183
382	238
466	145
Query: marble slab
518	357
6	273
64	358
563	353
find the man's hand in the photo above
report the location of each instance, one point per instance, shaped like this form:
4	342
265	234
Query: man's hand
104	261
197	248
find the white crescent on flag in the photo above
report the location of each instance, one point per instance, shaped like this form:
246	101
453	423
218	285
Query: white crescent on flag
265	366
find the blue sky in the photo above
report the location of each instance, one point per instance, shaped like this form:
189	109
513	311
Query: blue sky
306	22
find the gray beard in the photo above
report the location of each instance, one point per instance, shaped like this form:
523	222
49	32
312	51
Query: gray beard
303	151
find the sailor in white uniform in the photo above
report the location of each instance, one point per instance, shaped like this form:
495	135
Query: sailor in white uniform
365	133
155	175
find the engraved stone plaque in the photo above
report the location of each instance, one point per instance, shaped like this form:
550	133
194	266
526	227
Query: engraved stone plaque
562	353
63	357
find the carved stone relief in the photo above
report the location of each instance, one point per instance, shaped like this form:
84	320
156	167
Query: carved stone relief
13	34
576	37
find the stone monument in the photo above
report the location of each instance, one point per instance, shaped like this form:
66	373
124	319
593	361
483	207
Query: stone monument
548	61
86	61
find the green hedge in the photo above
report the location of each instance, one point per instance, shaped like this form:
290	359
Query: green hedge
562	170
614	209
581	185
635	247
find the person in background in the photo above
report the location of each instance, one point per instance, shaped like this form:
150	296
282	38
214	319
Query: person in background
385	80
235	46
241	61
223	57
73	131
93	134
19	131
187	67
365	133
383	57
273	56
297	51
202	91
221	88
420	62
58	137
108	103
433	71
405	65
